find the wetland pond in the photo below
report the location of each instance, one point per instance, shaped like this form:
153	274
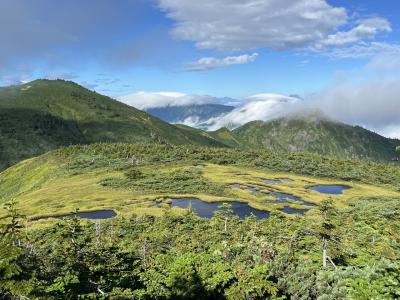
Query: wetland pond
207	209
289	210
281	198
276	180
242	209
93	215
329	189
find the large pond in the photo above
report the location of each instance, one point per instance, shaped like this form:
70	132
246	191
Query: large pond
329	189
207	209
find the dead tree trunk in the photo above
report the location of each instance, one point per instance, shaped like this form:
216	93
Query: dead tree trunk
226	223
324	256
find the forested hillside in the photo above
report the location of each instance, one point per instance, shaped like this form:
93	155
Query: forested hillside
46	114
311	133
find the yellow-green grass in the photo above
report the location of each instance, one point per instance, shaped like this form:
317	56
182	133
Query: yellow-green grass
43	195
299	186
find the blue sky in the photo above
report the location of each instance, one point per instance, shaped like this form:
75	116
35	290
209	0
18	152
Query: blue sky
232	48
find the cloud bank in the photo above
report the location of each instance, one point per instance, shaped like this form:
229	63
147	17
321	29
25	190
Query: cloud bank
237	25
146	100
366	29
256	107
209	63
374	105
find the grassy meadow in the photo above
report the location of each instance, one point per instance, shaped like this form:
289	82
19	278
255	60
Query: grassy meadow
58	183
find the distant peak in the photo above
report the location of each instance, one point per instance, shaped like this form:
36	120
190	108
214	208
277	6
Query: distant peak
53	82
309	115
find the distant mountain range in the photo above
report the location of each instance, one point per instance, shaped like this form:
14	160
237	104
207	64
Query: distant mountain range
212	116
47	114
194	115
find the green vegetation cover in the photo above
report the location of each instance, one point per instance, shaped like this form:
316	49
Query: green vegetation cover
46	114
313	133
154	251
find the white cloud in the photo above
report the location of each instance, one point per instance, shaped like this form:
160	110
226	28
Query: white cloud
372	104
366	29
209	63
14	79
364	50
257	107
392	132
146	100
237	25
193	121
388	62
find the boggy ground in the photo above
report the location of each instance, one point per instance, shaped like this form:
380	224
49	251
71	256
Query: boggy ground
138	190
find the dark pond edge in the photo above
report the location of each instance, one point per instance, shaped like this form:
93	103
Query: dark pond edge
294	211
60	216
327	184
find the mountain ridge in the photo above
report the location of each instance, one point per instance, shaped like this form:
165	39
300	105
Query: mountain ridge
312	133
46	114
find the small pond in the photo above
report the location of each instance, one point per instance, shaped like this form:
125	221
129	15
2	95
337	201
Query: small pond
329	189
249	188
276	180
252	190
286	180
270	181
283	198
290	210
207	209
236	185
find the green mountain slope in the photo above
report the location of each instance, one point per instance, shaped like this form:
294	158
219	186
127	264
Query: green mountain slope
46	114
313	134
227	137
